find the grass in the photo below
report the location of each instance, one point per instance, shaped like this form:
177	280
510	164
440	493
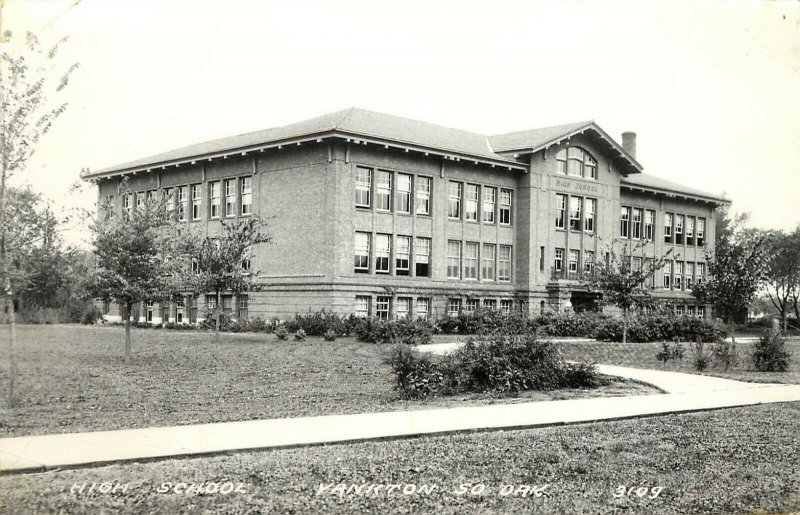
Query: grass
643	355
741	460
73	378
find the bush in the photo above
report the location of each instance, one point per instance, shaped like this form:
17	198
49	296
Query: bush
300	335
282	333
653	327
567	324
405	331
91	315
319	323
330	335
769	353
702	357
416	374
669	352
483	321
724	355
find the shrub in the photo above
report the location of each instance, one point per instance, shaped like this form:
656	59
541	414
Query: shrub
300	335
210	322
416	374
319	323
702	357
769	353
669	352
330	335
567	324
724	354
482	321
282	333
91	315
404	331
655	327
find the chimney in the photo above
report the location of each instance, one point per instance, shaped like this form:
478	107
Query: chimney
629	143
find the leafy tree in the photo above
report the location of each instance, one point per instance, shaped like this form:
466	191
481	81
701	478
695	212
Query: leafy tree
623	283
27	79
140	257
783	272
222	263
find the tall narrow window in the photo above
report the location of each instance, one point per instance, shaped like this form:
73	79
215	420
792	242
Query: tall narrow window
668	217
541	259
402	308
383	190
575	213
363	186
558	262
361	253
242	300
488	257
108	207
589	167
701	232
422	308
588	261
471	203
489	204
679	229
230	197
504	263
247	195
169	201
575	162
126	204
625	223
453	259
637	223
247	257
649	220
690	230
470	260
362	306
589	208
423	195
677	283
403	193
422	258
183	201
140	201
561	210
667	275
505	207
196	195
454	200
402	255
382	306
561	162
574	257
383	250
489	304
689	275
215	198
700	272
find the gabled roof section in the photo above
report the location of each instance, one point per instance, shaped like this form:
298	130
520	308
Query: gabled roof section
654	184
532	141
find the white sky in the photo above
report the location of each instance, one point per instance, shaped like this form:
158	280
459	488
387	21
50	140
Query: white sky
711	88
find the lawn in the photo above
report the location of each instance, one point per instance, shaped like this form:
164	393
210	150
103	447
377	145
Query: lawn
73	378
643	355
740	460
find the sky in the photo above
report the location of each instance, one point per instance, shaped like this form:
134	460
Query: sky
711	88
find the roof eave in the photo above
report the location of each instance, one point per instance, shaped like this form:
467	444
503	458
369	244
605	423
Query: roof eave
676	194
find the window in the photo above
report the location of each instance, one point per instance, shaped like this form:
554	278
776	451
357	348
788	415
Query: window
677	281
679	229
558	263
668	227
700	272
575	213
689	275
489	204
215	198
230	197
541	259
588	261
106	307
362	306
196	202
179	305
504	263
383	249
402	308
470	260
423	195
227	304
211	302
402	256
195	267
423	308
383	190
701	231
361	251
576	162
505	207
574	256
636	264
561	208
453	307
246	261
423	257
690	230
363	186
637	223
649	217
453	259
183	201
667	275
247	195
487	259
590	205
471	203
472	305
454	200
382	307
690	311
243	303
403	193
625	223
108	207
489	304
169	201
679	310
506	305
126	204
149	311
701	311
140	201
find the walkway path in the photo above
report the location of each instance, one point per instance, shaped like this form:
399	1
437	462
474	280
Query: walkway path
688	392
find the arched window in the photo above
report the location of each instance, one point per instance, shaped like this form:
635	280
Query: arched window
576	162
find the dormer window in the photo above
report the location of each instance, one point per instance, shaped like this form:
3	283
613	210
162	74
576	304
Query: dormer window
576	162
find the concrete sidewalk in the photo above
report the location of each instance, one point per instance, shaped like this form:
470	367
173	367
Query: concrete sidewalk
689	392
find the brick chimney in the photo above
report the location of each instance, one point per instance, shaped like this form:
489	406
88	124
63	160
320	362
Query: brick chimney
629	143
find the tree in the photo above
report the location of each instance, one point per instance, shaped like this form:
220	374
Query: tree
622	282
737	269
222	263
140	257
783	272
26	81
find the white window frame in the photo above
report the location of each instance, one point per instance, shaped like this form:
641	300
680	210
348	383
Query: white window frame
363	187
361	250
489	204
403	199
230	197
247	195
383	251
402	255
504	263
383	190
423	194
471	197
215	198
453	259
488	258
506	204
196	198
455	194
422	255
471	263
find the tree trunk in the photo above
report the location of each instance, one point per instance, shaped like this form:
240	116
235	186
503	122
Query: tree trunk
216	316
128	332
732	331
625	325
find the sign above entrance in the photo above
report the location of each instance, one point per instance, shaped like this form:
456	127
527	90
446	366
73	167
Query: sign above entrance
577	186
